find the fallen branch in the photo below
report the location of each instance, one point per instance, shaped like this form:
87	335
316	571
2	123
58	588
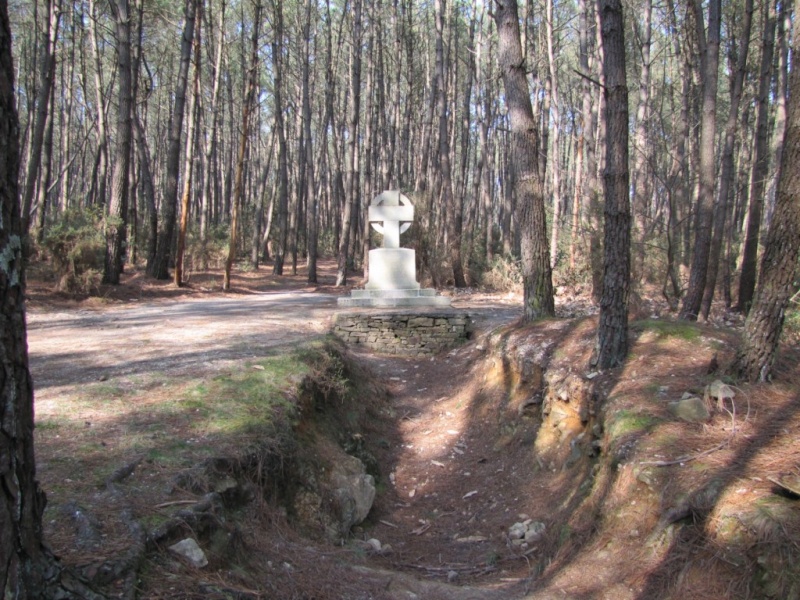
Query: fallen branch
174	503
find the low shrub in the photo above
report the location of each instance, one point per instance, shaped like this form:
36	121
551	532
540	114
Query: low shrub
75	247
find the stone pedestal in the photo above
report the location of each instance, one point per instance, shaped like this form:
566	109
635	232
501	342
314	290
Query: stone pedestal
392	269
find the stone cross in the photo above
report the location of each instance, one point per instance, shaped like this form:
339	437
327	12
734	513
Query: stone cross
390	214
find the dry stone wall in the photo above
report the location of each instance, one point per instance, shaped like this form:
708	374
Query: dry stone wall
406	334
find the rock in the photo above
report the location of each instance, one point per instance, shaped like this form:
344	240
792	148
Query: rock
189	550
527	532
535	532
647	476
353	493
691	409
720	392
517	531
787	481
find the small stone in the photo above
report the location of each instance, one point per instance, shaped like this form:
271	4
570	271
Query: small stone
189	550
535	532
692	410
517	531
471	539
721	391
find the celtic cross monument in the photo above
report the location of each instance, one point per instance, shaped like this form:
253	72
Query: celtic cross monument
392	269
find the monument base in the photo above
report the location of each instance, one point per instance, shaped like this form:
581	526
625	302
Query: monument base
394	298
406	334
392	269
393	283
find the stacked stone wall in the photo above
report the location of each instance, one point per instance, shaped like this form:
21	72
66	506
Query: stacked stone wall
406	334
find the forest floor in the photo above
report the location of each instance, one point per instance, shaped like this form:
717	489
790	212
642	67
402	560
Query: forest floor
115	373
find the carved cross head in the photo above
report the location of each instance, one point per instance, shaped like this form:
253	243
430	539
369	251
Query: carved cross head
390	214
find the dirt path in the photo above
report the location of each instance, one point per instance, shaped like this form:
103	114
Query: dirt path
70	348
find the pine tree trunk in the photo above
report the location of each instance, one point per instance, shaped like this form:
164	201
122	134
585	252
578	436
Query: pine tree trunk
238	181
524	134
188	157
709	48
169	203
211	139
777	281
726	179
612	329
46	76
283	167
117	220
351	200
555	107
448	199
46	171
747	281
640	197
28	569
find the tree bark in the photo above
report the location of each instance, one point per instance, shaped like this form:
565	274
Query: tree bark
211	139
160	266
117	220
612	329
777	281
640	197
99	189
726	179
351	200
709	49
46	170
283	167
247	109
27	568
448	199
747	281
188	159
46	76
524	134
311	183
555	107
